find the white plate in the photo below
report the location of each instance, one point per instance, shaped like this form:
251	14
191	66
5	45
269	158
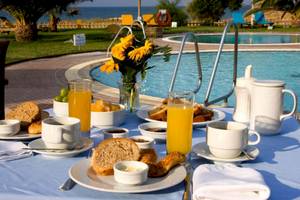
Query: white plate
218	116
202	150
39	143
82	175
22	135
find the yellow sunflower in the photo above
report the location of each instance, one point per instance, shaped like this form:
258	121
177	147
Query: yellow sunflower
148	46
127	41
118	51
109	67
138	53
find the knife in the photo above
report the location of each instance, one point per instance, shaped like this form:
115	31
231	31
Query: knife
188	183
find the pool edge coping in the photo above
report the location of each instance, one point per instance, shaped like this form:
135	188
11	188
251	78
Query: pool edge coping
82	71
168	39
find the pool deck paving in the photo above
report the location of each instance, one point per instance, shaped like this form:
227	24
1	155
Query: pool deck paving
40	80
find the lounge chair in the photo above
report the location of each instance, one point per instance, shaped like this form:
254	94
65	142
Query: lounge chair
150	19
126	20
260	19
238	18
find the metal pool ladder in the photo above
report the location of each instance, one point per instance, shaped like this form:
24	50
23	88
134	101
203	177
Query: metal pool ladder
187	35
129	28
235	59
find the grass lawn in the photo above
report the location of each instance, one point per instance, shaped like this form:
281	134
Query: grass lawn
53	44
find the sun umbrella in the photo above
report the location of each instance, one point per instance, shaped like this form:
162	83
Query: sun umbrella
139	10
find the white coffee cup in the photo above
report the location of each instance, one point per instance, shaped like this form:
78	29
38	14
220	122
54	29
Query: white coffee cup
228	139
61	132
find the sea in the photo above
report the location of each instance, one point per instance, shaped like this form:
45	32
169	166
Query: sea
94	13
106	12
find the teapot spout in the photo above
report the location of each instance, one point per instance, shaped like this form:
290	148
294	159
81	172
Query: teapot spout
248	72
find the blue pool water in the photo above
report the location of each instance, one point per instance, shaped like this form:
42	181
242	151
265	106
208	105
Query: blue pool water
246	38
266	65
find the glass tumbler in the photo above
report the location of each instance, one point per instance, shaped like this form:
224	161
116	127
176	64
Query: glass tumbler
180	122
80	97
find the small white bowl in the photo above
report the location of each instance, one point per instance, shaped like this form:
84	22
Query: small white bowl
108	119
9	127
115	132
145	130
131	172
143	142
60	109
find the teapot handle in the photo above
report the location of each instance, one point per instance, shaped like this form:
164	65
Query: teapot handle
294	104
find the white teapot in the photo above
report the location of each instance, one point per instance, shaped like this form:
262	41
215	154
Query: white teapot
260	103
267	106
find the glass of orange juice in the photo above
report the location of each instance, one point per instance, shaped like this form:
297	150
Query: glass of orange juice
180	122
80	97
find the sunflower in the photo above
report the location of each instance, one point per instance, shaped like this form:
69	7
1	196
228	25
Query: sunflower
148	47
109	67
139	53
118	51
127	41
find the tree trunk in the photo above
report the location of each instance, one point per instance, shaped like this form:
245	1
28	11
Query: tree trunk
53	20
26	31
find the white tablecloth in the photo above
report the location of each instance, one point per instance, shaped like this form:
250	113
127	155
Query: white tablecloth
38	177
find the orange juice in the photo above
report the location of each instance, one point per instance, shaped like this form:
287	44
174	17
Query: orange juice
180	128
80	107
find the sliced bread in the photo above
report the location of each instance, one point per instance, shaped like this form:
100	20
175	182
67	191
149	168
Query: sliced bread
110	151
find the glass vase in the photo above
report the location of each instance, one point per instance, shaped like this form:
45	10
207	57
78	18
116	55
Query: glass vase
129	95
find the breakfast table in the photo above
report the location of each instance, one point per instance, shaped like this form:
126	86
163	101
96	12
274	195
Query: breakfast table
39	177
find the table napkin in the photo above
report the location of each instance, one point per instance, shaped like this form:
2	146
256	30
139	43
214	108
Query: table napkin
13	151
228	182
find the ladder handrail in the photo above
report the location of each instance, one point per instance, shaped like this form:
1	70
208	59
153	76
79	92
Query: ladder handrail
212	77
117	35
140	22
189	34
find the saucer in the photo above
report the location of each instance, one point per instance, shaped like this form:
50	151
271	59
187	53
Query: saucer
86	143
22	135
202	150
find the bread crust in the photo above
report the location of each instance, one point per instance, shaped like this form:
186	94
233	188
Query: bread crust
165	165
35	127
148	156
110	151
26	112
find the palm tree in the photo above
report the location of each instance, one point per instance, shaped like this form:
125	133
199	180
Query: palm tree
54	16
287	6
28	12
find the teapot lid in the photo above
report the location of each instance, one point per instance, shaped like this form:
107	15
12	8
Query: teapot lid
269	83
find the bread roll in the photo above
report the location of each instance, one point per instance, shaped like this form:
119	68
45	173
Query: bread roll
35	127
26	112
159	113
110	151
148	156
165	165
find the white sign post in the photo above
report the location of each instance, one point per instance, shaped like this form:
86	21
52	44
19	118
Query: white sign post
79	40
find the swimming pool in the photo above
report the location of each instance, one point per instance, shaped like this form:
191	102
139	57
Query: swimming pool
245	38
266	65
